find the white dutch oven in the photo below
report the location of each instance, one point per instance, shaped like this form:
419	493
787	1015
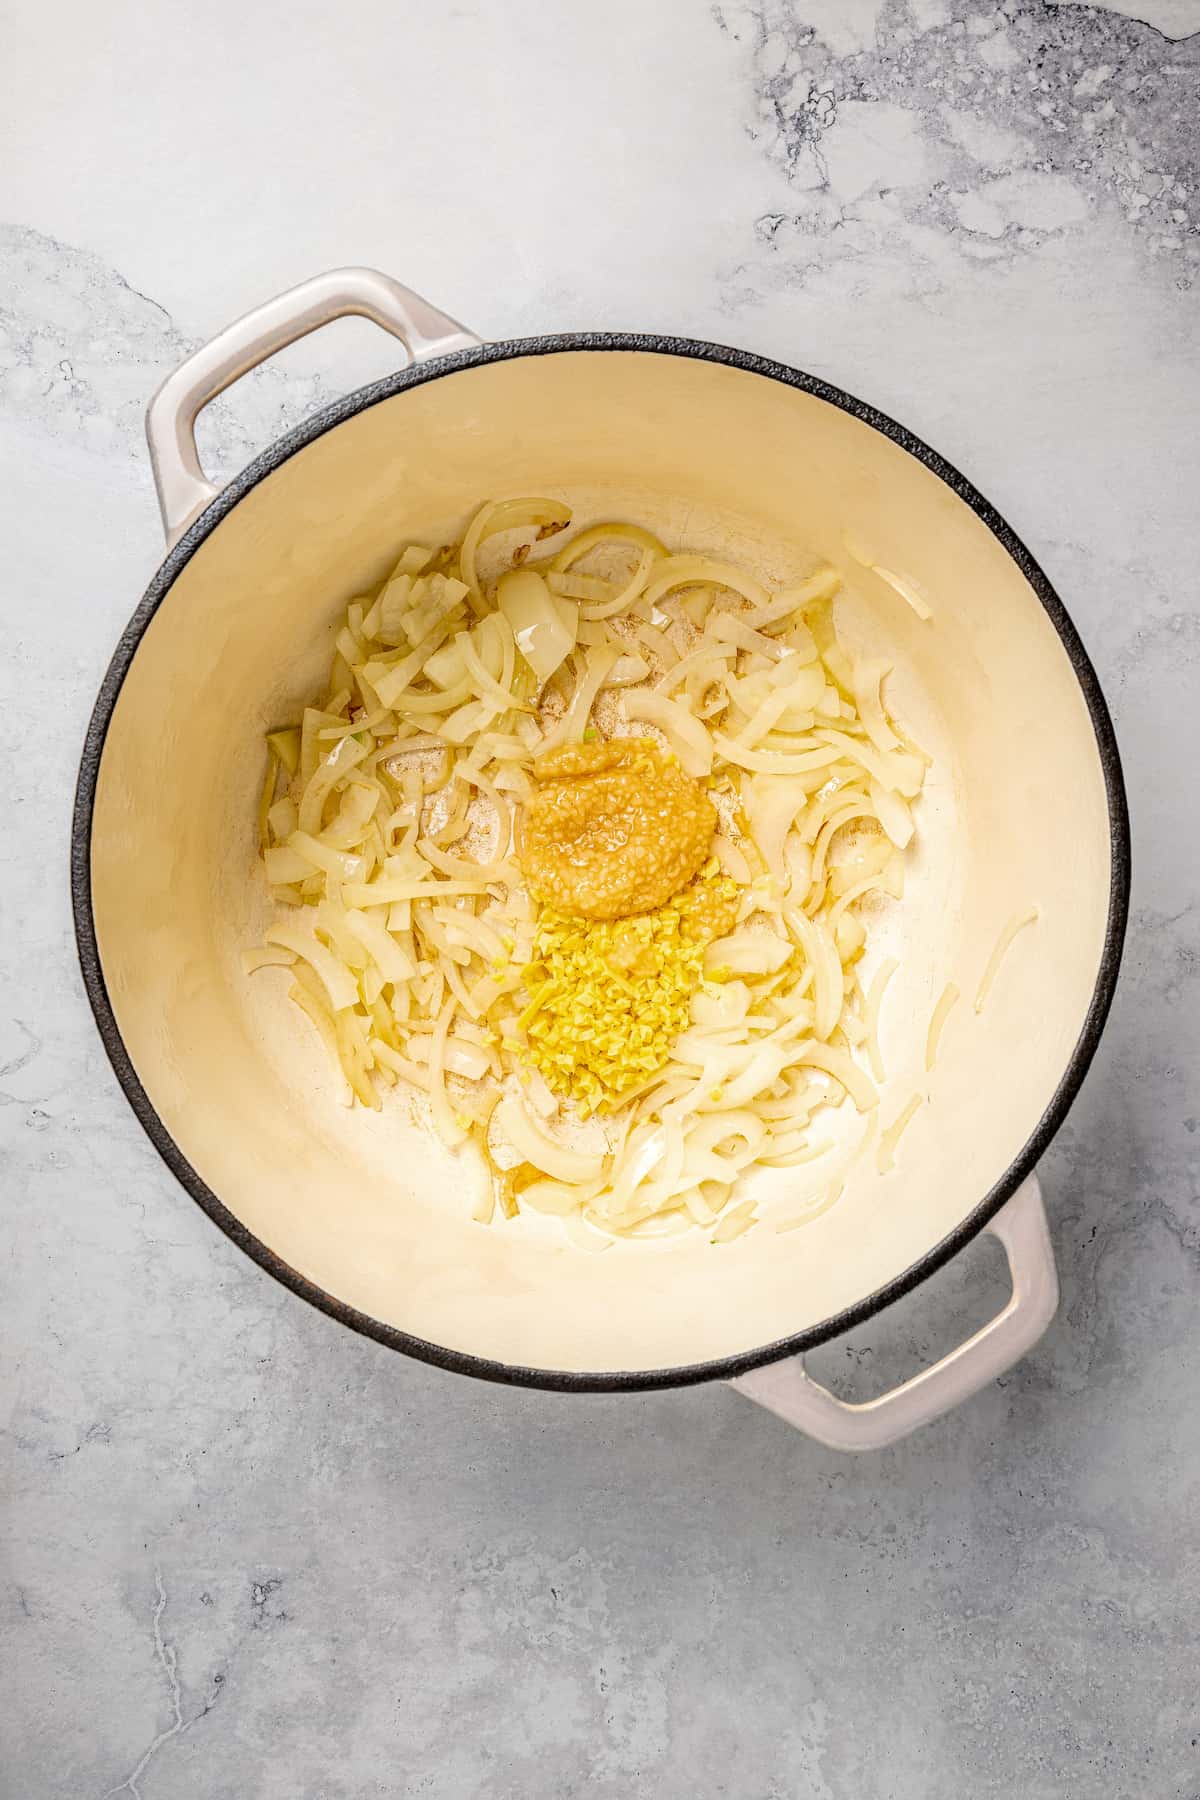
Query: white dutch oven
363	1214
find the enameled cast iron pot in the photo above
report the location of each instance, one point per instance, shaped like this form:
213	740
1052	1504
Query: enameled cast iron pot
712	448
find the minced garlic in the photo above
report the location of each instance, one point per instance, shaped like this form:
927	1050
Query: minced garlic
608	997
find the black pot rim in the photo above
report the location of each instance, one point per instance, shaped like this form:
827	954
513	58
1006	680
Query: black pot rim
85	929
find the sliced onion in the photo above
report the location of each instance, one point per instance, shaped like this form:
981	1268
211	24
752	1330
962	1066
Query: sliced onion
894	814
731	628
533	1146
1017	923
821	586
842	1066
357	808
445	668
773	804
906	587
868	681
829	990
688	738
451	1130
309	1005
556	1197
580	587
285	865
774	762
885	1154
706	660
386	891
550	516
543	625
692	571
732	1224
601	534
344	756
762	1070
485	684
392	962
597	662
941	1013
898	770
872	1001
627	671
749	953
335	978
410	962
649	552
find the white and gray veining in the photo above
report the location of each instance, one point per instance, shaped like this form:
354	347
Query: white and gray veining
247	1555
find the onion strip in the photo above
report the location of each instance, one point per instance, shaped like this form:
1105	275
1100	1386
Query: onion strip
941	1013
1017	923
336	979
844	1070
324	1026
871	1005
535	1147
649	552
598	660
549	516
885	1150
451	1131
693	571
771	762
685	734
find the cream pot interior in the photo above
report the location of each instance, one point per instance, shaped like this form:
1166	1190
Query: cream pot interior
367	1210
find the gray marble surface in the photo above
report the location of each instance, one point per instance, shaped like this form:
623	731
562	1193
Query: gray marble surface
249	1557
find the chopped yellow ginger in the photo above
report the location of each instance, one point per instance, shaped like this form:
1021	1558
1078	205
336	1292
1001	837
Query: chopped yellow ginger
608	997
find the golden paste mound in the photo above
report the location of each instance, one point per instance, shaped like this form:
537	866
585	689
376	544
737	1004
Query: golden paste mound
613	829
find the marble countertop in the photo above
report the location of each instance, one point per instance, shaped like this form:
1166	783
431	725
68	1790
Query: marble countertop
249	1556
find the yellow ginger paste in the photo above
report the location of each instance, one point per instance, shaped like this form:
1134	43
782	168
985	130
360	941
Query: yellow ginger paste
613	829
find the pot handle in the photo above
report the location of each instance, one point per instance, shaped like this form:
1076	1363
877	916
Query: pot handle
787	1389
183	489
